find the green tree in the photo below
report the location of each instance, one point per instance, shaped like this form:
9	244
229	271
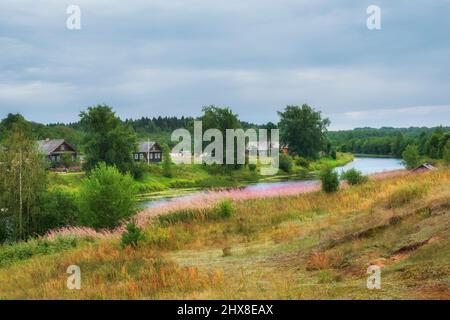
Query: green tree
167	161
398	145
411	156
446	153
107	139
23	181
222	119
106	197
303	129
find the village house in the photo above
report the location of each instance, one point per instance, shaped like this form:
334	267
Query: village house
424	167
54	149
148	151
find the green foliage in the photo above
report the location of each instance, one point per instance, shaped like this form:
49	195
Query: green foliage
446	153
138	170
58	209
107	139
24	250
303	129
132	236
23	181
411	156
354	176
106	197
330	180
219	118
167	162
302	162
285	163
333	154
224	209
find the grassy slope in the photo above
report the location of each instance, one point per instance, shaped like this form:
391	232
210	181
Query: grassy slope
312	246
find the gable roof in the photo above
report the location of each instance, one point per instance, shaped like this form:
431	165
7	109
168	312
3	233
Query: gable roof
146	145
48	146
425	166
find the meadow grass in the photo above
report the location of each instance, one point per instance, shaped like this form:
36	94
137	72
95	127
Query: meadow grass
305	246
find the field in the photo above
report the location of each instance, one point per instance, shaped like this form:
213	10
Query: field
305	246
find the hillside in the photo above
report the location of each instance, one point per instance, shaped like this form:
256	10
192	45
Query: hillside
309	246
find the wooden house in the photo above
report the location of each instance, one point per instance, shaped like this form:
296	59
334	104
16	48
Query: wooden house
54	149
148	151
424	167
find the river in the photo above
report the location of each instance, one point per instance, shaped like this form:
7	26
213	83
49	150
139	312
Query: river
364	164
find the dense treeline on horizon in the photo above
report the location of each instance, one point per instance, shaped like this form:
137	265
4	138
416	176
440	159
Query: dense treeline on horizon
387	141
391	141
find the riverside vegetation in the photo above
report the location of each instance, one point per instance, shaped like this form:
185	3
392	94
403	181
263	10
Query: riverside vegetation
313	245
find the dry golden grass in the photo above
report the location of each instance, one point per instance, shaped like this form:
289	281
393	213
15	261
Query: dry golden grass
315	246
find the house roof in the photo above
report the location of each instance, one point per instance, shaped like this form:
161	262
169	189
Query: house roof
425	166
146	145
48	146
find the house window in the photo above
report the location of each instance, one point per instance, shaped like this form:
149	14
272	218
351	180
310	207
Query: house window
136	156
151	155
157	156
141	156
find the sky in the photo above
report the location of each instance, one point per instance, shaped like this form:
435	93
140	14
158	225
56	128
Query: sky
170	58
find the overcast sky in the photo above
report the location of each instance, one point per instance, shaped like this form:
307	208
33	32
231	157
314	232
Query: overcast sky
171	57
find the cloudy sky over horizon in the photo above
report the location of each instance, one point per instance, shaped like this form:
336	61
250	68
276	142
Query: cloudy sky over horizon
161	57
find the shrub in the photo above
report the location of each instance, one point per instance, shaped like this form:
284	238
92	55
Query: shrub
106	197
285	163
330	180
252	167
132	235
354	176
302	162
25	250
138	170
333	154
224	209
58	209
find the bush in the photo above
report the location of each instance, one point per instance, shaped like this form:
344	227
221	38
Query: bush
302	162
106	197
252	167
330	180
25	250
224	209
333	154
354	176
132	235
285	163
138	170
58	209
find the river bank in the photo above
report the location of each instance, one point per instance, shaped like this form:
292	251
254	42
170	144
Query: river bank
191	178
304	246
